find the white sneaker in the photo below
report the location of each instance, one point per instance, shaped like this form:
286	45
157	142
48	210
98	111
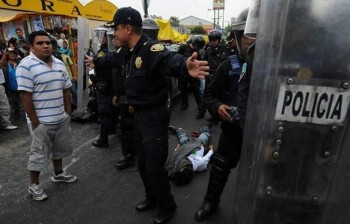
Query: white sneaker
10	127
37	192
64	177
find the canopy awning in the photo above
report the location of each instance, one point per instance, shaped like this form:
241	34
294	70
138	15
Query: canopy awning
8	15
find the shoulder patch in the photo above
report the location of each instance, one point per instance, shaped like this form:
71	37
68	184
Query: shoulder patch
157	47
101	54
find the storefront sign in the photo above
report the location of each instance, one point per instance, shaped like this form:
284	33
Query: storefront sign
73	8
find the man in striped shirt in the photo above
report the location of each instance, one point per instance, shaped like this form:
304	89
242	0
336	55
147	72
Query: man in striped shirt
44	86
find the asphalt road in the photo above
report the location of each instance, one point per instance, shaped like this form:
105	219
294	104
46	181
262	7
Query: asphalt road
102	194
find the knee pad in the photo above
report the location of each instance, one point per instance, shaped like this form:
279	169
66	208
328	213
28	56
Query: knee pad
219	165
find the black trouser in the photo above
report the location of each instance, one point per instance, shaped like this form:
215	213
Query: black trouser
230	142
224	159
14	99
194	86
107	115
152	137
127	136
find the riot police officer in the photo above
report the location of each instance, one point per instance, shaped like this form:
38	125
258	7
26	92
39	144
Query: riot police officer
215	54
195	44
145	63
220	98
104	88
150	28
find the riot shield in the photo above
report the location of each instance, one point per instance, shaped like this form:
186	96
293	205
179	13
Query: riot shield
295	160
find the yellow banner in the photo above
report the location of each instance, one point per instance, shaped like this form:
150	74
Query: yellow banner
71	8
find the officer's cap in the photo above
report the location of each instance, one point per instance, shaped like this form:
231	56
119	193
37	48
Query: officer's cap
127	16
230	37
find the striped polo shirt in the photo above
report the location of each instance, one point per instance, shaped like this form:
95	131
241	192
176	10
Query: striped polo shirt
47	84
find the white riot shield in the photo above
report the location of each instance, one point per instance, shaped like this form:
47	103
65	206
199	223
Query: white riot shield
295	160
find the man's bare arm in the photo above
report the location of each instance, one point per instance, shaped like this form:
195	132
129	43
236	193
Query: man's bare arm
29	108
67	99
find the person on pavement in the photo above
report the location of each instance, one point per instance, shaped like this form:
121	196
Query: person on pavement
145	64
44	85
191	154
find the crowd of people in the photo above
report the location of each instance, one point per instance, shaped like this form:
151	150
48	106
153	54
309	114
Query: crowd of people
12	52
131	83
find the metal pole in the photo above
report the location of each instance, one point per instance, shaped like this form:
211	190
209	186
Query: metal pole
214	18
83	47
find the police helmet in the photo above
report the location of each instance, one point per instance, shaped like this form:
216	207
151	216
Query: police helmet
150	28
214	35
238	30
198	42
241	20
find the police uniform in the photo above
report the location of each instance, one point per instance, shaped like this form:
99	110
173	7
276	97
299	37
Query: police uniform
104	90
223	90
146	67
114	60
187	51
243	87
146	91
214	56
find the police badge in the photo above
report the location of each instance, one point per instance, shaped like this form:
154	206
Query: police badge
138	62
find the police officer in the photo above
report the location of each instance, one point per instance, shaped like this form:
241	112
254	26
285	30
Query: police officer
195	44
221	100
150	29
146	63
104	88
215	54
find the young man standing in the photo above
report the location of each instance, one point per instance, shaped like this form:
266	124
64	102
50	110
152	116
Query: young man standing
44	86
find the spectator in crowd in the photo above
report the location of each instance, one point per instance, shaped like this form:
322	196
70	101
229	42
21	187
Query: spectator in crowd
62	38
12	43
67	61
23	47
9	65
65	49
20	35
5	110
47	101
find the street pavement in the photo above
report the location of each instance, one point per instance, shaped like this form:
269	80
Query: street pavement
102	194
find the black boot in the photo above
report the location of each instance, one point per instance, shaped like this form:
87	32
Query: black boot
125	162
200	111
146	204
167	207
100	143
219	172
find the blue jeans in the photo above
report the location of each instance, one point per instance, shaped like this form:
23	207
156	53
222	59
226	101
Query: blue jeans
204	136
201	86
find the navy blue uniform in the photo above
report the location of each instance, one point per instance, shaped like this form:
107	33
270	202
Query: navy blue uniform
146	68
104	89
114	60
223	90
187	51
